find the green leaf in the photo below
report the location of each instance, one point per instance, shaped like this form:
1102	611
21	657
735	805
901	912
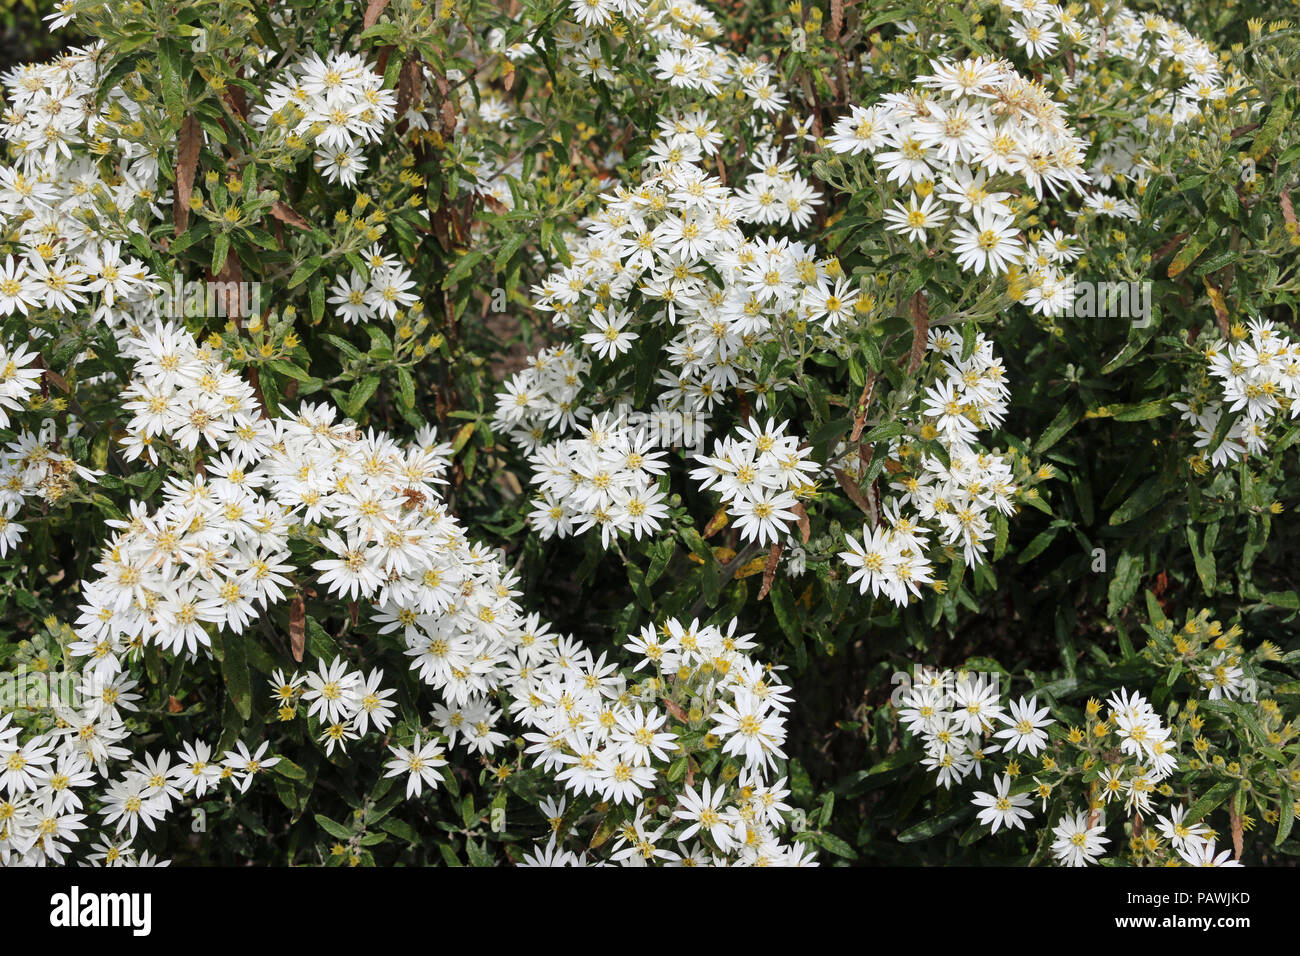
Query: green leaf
1214	263
1125	583
333	828
234	668
1211	799
1001	528
287	768
661	552
305	271
509	248
462	268
783	607
1287	599
448	854
1146	497
289	369
834	844
172	79
885	430
317	301
401	829
940	824
1039	544
1154	610
478	854
344	346
1141	412
1065	419
828	808
1203	560
319	642
406	387
220	250
360	393
117	72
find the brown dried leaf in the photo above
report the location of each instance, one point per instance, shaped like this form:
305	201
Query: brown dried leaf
852	490
409	85
187	164
604	831
920	331
373	11
805	529
57	380
1237	836
864	402
174	706
283	212
1288	210
769	569
675	710
237	102
229	290
722	555
1169	246
448	113
716	523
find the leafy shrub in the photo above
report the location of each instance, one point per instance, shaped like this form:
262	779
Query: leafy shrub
643	432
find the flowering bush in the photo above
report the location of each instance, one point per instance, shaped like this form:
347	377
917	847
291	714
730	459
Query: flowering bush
619	431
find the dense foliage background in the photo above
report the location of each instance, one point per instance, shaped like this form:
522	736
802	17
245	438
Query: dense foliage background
1129	525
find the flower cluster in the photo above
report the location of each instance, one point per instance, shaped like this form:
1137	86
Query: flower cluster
760	474
546	394
384	291
645	265
677	36
31	467
1208	651
723	710
215	552
696	301
336	105
1161	47
959	138
64	210
1257	374
347	703
52	118
950	495
608	478
1121	761
46	780
19	377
